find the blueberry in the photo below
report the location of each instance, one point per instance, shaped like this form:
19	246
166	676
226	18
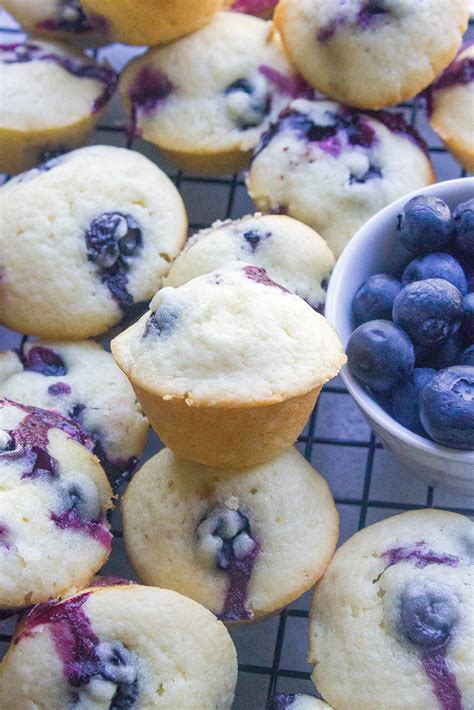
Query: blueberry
110	236
427	615
120	666
45	361
248	101
470	282
425	225
222	535
464	220
447	407
405	401
468	356
253	237
162	322
374	299
467	325
282	701
445	354
436	266
82	499
6	441
429	311
380	354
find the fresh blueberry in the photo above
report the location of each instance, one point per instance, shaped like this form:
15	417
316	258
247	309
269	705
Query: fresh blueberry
425	225
445	354
467	325
429	311
380	354
470	282
467	357
45	361
464	220
374	299
162	322
405	401
436	266
427	615
447	407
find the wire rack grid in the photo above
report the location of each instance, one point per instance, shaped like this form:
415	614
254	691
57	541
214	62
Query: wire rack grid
368	484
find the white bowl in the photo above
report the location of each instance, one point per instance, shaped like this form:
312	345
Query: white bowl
375	248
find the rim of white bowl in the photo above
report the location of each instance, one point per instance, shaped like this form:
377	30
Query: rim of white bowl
363	237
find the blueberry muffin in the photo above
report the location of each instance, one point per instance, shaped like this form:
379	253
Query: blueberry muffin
228	366
292	254
51	98
205	100
121	648
296	701
399	592
333	167
260	8
82	382
60	19
83	238
450	100
151	22
371	53
53	500
243	543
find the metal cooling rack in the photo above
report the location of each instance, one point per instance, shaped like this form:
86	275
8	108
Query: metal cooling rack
368	484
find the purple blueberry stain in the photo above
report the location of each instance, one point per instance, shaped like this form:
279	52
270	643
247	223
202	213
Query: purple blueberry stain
294	86
260	276
162	323
148	91
5	540
225	541
427	617
22	53
459	73
420	554
44	361
59	389
368	17
113	240
84	656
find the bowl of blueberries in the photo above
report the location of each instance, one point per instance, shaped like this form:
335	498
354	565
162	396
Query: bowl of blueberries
402	299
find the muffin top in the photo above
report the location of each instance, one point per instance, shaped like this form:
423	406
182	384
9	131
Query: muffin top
216	89
232	337
45	84
103	218
120	647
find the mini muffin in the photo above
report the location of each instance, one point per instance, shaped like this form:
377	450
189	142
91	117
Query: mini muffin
243	543
151	22
119	648
82	239
296	701
292	254
260	8
60	19
80	381
53	500
229	366
205	100
450	102
391	625
51	98
333	168
371	53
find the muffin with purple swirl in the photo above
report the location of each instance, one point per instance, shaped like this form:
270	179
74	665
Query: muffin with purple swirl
83	239
54	497
391	623
82	382
244	543
119	648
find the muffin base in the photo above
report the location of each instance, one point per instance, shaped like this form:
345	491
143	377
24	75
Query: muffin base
227	437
